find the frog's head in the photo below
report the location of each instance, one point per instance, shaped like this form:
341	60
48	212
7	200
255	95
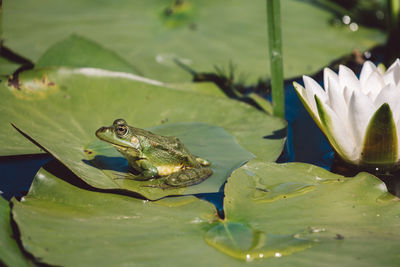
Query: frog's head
120	135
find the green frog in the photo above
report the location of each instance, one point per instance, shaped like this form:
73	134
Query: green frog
155	156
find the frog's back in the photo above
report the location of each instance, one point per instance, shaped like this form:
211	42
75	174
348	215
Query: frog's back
155	138
167	146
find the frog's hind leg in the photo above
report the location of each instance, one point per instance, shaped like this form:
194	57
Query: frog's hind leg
118	175
188	177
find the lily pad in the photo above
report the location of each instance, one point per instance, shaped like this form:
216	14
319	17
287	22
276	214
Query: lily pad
208	88
77	51
270	220
7	67
10	254
68	105
335	220
153	35
67	226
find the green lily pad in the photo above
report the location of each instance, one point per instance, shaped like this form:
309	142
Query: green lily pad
10	254
329	218
208	88
66	106
67	226
152	35
276	214
77	51
7	67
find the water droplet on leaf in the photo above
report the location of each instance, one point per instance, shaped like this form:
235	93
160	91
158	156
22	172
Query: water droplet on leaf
242	242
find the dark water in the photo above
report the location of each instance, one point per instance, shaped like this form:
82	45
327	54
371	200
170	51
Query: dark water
17	173
305	141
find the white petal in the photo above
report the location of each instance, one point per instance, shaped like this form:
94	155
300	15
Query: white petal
396	108
395	64
373	85
330	74
337	102
309	102
360	112
392	75
341	141
347	92
347	78
315	88
398	137
366	71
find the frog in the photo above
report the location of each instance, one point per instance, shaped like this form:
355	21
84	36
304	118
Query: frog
155	156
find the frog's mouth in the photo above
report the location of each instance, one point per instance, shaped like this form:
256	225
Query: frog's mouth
118	147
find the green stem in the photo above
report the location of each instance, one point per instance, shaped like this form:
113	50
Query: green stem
1	21
275	54
394	9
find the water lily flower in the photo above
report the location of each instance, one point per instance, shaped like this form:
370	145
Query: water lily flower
360	117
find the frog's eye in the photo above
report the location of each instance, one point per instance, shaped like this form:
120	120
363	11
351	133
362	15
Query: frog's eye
122	130
135	141
119	122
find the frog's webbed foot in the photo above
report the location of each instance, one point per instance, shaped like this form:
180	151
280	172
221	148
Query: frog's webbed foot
129	176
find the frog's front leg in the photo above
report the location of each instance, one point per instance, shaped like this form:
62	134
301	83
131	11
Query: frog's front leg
187	177
146	169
